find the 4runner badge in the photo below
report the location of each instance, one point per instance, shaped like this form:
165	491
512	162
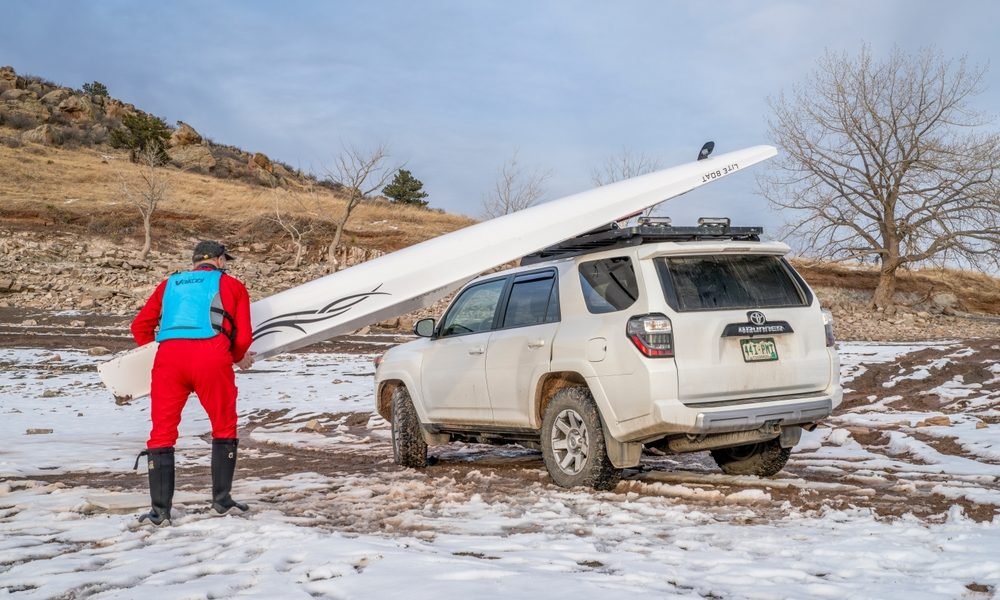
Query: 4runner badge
757	324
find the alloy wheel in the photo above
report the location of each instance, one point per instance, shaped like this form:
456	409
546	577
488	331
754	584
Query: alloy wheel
570	441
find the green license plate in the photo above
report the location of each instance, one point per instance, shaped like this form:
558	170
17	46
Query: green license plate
759	350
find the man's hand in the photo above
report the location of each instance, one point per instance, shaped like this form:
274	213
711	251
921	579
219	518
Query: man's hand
247	361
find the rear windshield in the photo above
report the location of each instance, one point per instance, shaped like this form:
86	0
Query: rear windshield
726	282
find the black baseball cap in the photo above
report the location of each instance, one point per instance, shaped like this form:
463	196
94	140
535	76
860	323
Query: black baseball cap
208	249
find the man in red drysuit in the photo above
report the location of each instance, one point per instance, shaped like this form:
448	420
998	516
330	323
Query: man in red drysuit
201	319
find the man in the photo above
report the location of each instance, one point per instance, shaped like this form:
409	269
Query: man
203	317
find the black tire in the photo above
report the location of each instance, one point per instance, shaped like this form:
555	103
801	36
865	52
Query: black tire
762	459
408	446
594	469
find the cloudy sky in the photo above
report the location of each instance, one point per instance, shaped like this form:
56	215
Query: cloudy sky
455	88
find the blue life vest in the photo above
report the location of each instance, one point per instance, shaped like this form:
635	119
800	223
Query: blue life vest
192	308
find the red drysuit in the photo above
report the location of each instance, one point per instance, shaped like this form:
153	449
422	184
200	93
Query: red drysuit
203	366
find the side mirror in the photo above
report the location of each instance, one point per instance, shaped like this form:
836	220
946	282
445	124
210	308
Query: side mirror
424	328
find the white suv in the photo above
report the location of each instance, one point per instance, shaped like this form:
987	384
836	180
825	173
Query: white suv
677	338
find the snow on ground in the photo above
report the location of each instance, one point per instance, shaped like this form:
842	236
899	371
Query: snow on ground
856	357
872	505
41	390
53	544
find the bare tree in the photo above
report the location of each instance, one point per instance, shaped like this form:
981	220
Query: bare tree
624	165
885	161
298	215
144	187
515	189
361	173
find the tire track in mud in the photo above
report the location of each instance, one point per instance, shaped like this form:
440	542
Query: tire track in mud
368	493
516	476
360	490
810	483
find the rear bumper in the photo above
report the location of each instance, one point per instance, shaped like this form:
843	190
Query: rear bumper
673	417
754	416
750	413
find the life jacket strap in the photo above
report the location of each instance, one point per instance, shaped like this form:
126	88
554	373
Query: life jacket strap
140	455
231	333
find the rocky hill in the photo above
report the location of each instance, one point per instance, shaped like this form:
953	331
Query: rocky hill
34	110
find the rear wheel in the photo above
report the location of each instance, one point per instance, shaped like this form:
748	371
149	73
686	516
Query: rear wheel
573	444
763	459
408	446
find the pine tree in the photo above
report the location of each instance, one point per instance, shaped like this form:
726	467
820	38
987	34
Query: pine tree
95	89
406	189
140	132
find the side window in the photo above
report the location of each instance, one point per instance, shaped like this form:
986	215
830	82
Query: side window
608	284
530	300
474	310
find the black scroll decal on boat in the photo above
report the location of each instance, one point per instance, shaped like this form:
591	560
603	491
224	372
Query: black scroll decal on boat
295	320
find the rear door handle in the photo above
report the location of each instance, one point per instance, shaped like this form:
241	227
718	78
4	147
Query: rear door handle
477	350
536	343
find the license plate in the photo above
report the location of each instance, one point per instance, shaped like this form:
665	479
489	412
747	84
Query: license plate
759	350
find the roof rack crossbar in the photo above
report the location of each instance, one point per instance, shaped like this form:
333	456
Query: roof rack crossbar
608	239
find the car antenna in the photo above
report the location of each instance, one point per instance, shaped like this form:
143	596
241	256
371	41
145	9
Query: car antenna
706	150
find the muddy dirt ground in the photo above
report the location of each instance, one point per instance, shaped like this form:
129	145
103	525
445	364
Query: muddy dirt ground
878	475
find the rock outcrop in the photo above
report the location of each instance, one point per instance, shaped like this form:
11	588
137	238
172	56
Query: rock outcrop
196	157
263	170
54	97
26	106
42	112
8	79
77	108
18	95
184	135
261	161
43	134
116	109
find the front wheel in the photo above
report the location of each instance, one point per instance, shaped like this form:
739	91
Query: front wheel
408	446
763	459
573	444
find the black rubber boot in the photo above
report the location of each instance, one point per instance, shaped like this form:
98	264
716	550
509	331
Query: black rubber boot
223	468
161	483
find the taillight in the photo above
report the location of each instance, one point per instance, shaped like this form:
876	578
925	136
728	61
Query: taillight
652	334
378	360
828	327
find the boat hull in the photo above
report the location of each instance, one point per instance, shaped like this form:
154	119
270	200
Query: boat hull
417	276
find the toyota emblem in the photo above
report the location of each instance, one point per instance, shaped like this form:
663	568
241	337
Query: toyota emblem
756	317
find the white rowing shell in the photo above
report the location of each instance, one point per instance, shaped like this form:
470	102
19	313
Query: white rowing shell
417	276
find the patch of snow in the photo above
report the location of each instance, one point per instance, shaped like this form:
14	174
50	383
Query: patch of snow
917	374
854	355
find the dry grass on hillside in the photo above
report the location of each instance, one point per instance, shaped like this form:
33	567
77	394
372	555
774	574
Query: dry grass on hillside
42	186
41	183
977	291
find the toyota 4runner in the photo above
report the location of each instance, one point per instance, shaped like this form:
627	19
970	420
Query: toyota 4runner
677	338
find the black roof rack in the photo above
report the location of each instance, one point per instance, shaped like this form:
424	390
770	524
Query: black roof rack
647	232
